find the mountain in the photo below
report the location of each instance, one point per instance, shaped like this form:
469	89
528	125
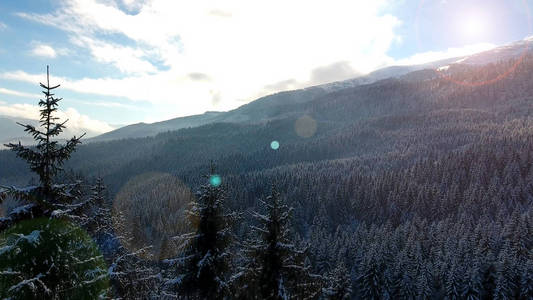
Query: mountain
144	130
389	122
12	132
263	109
274	106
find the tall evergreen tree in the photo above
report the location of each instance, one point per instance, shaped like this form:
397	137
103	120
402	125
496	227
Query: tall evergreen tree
340	286
276	267
42	257
45	159
205	267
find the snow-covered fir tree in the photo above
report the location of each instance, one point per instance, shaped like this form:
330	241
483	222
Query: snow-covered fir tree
204	269
275	267
99	221
340	285
45	159
42	253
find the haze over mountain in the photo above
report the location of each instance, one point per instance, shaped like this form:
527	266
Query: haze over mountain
276	105
13	133
283	103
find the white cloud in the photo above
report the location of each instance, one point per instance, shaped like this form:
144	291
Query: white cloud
47	51
430	56
126	59
3	26
243	47
18	94
77	123
107	104
133	4
44	51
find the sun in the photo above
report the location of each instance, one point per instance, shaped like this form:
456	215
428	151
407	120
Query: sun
474	27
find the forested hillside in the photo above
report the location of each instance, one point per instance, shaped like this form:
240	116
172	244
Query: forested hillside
418	186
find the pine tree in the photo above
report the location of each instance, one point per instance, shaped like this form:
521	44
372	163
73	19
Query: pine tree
98	214
526	281
453	284
204	268
45	159
132	276
473	284
370	275
505	279
276	267
340	285
42	254
45	258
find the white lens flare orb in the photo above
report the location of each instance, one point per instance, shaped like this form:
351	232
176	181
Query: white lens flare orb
274	145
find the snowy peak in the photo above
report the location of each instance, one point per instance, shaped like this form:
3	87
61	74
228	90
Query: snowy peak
502	53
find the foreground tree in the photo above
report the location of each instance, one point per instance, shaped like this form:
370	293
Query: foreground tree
275	267
45	159
43	255
50	259
204	268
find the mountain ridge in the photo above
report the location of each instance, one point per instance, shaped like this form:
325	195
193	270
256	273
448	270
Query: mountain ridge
271	106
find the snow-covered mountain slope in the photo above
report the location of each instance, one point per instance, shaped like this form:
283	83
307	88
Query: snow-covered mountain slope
506	52
274	106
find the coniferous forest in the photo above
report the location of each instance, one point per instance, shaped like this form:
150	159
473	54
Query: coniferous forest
413	187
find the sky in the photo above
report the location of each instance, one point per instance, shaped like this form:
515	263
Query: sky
126	61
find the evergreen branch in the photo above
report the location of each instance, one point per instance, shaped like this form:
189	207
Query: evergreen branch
49	87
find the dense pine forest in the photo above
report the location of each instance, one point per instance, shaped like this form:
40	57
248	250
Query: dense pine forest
416	187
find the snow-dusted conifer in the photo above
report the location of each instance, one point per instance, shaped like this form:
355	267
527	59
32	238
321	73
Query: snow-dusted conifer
204	268
43	254
340	285
275	266
45	159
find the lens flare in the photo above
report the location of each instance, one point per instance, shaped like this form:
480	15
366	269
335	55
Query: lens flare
475	26
274	145
150	209
215	180
305	126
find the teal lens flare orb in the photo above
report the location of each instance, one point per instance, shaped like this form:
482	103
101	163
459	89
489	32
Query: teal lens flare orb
215	180
274	145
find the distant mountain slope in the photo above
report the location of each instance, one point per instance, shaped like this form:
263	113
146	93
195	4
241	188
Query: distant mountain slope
11	131
284	103
258	111
144	130
261	110
390	123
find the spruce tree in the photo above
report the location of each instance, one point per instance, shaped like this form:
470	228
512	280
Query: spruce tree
45	159
204	268
370	275
275	266
340	285
96	216
42	254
